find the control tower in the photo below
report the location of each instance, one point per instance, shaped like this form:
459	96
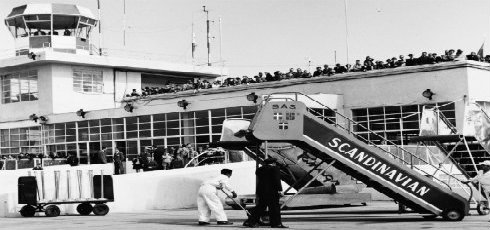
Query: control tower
60	27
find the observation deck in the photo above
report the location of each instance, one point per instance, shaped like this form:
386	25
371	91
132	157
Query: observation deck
60	27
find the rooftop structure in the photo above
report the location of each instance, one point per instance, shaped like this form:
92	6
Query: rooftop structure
63	27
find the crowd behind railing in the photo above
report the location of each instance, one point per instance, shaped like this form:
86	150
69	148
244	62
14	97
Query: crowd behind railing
159	158
152	158
368	64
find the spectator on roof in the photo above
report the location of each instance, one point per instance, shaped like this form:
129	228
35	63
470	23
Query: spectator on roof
411	61
368	63
459	55
339	68
400	61
306	74
473	57
298	73
358	67
318	72
134	93
487	58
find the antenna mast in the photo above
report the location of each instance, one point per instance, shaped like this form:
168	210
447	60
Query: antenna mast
100	29
124	23
207	34
193	42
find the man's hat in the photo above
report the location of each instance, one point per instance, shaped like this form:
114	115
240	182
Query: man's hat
226	171
487	162
270	160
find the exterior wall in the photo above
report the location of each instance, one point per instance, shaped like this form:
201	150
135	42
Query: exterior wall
478	84
66	100
125	83
22	110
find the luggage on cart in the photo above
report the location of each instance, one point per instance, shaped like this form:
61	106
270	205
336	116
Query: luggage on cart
31	193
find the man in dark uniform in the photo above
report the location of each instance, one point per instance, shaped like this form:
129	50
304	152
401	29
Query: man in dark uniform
269	190
118	162
101	157
158	156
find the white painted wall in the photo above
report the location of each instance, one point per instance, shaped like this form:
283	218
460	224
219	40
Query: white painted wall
22	110
125	83
66	100
64	42
169	189
478	85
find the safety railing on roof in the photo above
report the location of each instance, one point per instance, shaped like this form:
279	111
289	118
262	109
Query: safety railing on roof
347	124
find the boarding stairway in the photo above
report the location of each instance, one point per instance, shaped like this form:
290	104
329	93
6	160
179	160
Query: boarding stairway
332	141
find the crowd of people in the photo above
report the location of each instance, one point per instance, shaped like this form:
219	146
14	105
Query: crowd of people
368	64
159	158
152	158
21	156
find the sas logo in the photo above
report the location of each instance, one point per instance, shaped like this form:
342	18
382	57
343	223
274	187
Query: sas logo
283	106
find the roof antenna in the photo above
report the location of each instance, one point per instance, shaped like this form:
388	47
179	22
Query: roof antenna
100	29
207	34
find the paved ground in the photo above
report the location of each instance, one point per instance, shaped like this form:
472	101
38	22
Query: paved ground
377	215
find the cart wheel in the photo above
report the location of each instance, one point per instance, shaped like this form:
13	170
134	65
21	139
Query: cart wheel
453	215
84	209
482	208
101	209
52	211
27	211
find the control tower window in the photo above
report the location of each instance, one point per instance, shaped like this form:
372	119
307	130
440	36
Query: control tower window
87	81
21	86
17	27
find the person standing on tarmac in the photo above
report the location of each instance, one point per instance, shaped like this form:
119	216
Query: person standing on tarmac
118	162
269	190
208	200
483	177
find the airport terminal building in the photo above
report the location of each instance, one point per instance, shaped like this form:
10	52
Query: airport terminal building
53	77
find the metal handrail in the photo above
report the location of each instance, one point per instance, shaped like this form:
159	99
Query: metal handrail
352	122
196	157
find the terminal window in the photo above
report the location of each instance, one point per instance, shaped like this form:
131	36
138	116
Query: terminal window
20	86
87	81
395	123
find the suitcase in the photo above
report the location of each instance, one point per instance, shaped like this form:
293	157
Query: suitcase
27	190
108	187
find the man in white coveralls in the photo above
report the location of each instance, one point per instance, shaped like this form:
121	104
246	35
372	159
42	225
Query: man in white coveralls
483	177
208	200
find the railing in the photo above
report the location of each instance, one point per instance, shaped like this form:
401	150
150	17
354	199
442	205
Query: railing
196	159
347	126
13	164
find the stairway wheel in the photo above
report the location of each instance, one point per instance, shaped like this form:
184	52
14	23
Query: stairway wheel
482	208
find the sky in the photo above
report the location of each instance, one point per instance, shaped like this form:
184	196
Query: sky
269	35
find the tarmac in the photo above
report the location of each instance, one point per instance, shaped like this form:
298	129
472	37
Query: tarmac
374	216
